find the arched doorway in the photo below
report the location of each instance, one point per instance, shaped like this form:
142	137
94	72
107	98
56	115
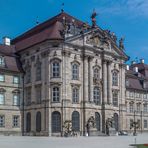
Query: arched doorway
56	122
76	121
38	121
28	122
116	121
97	120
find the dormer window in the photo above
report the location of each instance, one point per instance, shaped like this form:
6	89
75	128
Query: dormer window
2	61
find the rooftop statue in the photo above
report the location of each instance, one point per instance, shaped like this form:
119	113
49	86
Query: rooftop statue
93	18
121	45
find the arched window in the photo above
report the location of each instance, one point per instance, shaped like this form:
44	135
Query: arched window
38	71
28	122
75	121
96	95
97	119
38	121
115	98
115	78
116	122
56	94
75	95
56	122
75	71
96	73
56	69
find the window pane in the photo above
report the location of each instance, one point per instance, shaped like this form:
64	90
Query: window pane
15	121
15	79
2	121
2	78
2	99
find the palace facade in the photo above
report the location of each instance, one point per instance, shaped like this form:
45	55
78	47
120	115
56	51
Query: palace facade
66	70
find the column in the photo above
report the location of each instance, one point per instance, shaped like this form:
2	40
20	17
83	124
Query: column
104	75
90	79
109	96
86	79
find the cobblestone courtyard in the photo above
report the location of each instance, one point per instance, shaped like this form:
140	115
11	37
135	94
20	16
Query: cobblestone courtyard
78	142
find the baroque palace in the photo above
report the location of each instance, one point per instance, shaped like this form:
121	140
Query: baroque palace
66	70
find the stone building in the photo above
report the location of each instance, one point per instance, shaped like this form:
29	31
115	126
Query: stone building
71	72
10	90
137	95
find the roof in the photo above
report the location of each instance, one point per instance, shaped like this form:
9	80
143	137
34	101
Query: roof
50	29
12	62
136	80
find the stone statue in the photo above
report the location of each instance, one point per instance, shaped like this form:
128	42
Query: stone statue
121	45
93	18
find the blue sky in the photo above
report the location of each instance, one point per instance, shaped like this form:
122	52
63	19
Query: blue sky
128	18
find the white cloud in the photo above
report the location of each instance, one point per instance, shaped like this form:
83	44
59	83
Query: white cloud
134	8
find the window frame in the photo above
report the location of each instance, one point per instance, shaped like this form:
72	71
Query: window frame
75	70
115	78
56	94
97	95
75	95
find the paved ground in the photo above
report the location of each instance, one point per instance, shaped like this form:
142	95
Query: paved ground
78	142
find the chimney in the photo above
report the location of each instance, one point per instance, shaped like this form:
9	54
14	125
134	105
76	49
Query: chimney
136	69
127	67
133	62
142	61
6	41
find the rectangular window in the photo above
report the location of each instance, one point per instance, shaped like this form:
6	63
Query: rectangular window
2	78
28	96
131	123
38	94
145	123
145	108
15	121
2	61
131	107
15	79
2	120
16	99
2	99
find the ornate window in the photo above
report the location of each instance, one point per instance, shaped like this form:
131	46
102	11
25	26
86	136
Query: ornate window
38	121
56	69
28	74
2	61
38	94
38	71
28	122
115	78
16	98
15	121
96	73
75	121
16	80
115	98
75	71
2	97
2	77
138	107
56	94
96	95
145	123
56	122
145	108
75	95
97	119
28	96
131	107
2	120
